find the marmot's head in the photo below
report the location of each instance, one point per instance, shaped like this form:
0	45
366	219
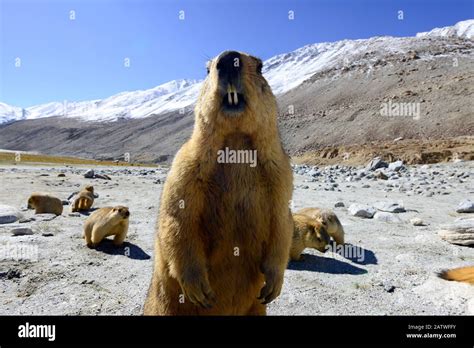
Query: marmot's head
121	212
32	202
235	97
89	188
316	235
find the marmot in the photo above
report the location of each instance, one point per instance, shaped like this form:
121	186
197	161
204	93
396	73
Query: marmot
463	274
329	219
106	222
224	228
308	233
84	199
45	203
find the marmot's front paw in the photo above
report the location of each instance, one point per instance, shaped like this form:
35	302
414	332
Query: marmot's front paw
199	292
272	288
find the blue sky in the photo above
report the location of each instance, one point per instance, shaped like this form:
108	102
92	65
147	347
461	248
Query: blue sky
63	59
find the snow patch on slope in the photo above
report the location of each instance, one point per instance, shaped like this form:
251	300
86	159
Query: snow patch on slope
463	29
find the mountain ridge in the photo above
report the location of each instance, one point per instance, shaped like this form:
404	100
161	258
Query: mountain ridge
283	71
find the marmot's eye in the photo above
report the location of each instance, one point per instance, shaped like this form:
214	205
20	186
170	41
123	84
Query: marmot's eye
207	68
259	67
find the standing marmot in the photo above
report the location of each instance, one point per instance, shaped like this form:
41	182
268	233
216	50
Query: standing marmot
224	227
84	199
308	233
45	203
104	222
329	219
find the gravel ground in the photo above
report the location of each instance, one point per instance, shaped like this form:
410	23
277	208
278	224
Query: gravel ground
387	268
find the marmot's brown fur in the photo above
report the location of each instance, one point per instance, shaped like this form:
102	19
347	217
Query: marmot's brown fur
332	224
104	222
224	229
84	199
45	203
463	274
308	233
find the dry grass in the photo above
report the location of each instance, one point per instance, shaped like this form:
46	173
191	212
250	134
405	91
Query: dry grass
28	158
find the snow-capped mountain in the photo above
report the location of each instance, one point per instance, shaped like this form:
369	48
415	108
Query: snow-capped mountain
463	29
136	104
283	72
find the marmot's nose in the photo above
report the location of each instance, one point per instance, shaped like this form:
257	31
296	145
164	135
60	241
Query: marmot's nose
229	65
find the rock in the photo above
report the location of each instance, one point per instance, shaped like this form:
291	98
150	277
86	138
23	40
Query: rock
65	202
61	175
10	274
387	217
396	166
376	163
45	217
397	139
461	232
390	207
9	214
380	175
89	174
466	206
361	210
47	234
102	176
21	231
339	204
25	220
75	214
417	222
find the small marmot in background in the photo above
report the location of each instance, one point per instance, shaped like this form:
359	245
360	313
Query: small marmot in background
84	199
332	224
104	222
308	233
45	203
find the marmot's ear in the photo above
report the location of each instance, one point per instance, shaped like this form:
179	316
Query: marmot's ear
208	66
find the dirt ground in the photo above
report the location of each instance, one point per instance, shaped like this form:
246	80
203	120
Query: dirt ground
388	268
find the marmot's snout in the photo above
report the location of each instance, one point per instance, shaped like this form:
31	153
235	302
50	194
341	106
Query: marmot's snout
229	67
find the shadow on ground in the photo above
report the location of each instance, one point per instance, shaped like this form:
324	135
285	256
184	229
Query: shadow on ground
358	255
127	249
323	264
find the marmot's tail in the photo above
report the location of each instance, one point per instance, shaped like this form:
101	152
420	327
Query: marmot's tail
463	274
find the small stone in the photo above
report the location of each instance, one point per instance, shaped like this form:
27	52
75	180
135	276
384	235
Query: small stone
387	217
61	175
461	232
389	207
395	166
75	214
89	174
380	175
21	231
47	234
339	204
361	210
466	206
417	222
376	163
25	220
9	214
